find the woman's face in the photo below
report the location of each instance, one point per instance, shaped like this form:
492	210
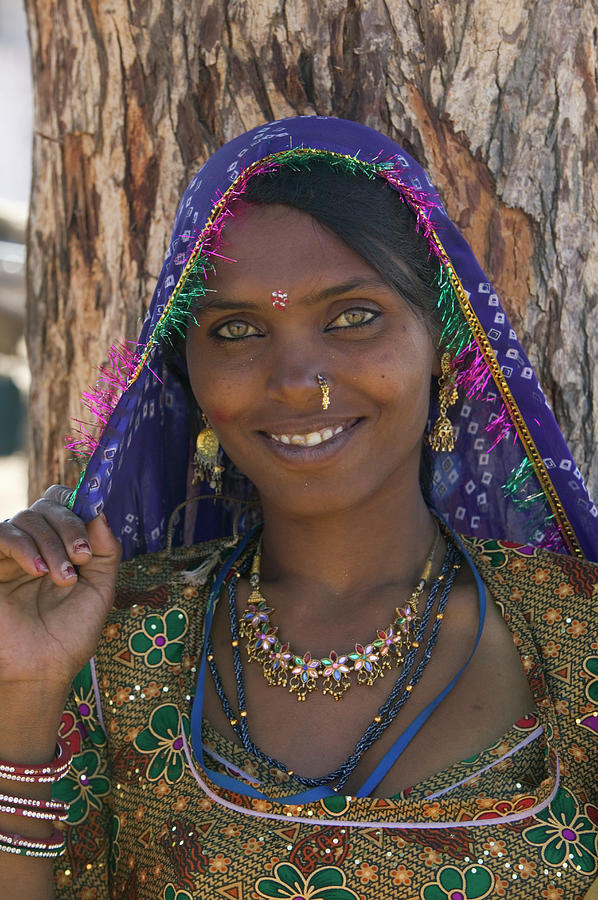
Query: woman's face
253	365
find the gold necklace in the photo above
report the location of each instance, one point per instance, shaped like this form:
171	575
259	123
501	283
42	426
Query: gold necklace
304	674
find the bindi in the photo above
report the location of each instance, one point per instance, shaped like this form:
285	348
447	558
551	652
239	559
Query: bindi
280	299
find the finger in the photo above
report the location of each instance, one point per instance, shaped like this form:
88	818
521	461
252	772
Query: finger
68	526
48	537
58	493
103	543
19	553
102	566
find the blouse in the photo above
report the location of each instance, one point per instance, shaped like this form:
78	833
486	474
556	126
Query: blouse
147	820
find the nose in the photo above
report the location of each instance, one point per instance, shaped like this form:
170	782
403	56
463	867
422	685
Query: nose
298	377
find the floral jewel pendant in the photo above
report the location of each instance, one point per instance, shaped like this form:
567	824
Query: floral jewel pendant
333	673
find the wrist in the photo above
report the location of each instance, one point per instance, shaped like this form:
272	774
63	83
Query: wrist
29	723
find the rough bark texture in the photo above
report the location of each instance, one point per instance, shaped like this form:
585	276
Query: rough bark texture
497	99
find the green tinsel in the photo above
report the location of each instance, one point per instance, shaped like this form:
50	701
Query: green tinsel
518	479
517	487
186	302
456	334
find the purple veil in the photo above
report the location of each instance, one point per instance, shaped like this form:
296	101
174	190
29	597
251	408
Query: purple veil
511	475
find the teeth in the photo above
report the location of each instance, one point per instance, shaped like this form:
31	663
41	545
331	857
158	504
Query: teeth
308	440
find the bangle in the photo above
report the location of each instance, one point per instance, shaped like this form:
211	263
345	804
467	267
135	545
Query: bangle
57	805
16	843
49	816
50	772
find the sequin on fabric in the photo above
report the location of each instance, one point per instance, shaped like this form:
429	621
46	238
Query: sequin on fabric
142	827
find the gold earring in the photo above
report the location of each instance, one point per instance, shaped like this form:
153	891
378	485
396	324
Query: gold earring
325	391
442	435
205	461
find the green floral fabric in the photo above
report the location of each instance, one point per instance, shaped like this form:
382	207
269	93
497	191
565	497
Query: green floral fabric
145	822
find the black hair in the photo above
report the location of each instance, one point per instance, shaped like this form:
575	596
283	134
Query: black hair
368	215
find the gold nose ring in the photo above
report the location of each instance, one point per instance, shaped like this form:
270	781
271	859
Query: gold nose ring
325	391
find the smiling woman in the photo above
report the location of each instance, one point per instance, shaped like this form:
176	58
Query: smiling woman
326	364
254	371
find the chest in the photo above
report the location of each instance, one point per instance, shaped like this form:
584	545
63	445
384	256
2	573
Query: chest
317	736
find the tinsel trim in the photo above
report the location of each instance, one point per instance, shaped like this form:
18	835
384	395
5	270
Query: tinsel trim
483	366
179	310
462	333
101	400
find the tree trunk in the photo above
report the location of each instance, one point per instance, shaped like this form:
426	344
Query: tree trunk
497	100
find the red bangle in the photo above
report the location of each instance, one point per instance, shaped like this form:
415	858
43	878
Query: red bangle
50	772
49	816
16	843
56	805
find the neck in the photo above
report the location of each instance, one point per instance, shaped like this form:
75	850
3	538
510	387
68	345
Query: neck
341	554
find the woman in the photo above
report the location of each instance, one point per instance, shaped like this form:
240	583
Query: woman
316	308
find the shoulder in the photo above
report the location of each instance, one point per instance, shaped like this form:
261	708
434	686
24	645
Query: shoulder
552	595
146	656
542	574
193	565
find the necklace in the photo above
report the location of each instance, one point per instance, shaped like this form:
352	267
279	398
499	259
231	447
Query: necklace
387	712
304	674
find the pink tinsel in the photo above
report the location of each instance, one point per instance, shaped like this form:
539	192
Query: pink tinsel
101	400
474	374
502	424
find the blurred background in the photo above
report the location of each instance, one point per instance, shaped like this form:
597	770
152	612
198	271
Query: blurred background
16	118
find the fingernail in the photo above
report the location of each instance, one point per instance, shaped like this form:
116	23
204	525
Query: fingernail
67	571
40	565
81	546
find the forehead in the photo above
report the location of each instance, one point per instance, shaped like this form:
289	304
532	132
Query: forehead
284	246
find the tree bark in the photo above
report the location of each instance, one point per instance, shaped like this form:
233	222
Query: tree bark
497	100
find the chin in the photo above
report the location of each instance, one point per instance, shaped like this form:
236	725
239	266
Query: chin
315	499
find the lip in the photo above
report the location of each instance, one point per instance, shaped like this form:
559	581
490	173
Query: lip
318	452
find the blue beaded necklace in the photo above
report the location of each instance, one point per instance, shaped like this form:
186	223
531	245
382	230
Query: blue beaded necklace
228	782
387	712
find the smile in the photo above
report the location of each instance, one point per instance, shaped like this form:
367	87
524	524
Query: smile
311	438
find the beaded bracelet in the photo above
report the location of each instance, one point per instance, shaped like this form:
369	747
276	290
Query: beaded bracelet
49	816
50	772
16	843
57	805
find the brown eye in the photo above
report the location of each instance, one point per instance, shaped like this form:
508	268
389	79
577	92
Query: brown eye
235	330
353	318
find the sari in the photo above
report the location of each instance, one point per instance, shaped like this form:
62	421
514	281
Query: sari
519	819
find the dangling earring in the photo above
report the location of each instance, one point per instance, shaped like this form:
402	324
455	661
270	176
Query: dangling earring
205	461
442	435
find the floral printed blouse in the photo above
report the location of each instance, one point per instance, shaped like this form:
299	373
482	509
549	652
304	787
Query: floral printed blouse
519	820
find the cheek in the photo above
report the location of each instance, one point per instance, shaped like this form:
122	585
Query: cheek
222	399
394	381
220	415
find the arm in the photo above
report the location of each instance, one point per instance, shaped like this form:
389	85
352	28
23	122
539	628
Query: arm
83	870
51	616
30	720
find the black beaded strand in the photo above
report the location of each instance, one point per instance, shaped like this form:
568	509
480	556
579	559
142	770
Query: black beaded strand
386	713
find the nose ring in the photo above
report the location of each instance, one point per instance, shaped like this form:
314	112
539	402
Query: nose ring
325	391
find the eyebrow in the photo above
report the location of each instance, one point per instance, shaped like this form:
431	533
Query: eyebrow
224	303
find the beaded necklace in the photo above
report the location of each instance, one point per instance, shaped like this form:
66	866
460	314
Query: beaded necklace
302	673
387	712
